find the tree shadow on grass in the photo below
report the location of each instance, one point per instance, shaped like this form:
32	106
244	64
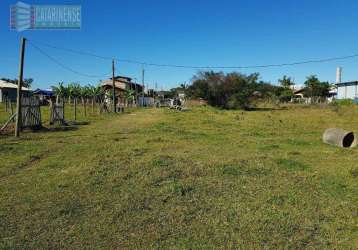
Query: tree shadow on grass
78	123
55	129
265	109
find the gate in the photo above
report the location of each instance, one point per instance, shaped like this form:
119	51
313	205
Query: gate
57	114
30	112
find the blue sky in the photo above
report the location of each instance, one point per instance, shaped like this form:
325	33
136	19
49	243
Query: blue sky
187	32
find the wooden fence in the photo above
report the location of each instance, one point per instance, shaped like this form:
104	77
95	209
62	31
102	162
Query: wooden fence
57	114
30	112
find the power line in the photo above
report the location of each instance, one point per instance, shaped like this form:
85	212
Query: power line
63	65
202	67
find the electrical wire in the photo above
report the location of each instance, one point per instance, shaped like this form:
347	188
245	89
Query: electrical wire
200	67
63	65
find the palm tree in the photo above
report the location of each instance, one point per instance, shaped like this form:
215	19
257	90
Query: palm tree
286	82
183	86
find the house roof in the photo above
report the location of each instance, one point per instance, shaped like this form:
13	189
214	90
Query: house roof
43	92
126	78
9	85
120	82
342	84
299	91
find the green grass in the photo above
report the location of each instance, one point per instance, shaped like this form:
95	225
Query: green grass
201	179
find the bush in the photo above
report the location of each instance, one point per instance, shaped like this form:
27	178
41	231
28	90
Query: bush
229	91
343	102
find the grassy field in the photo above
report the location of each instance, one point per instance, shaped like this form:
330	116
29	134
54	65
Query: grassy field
201	179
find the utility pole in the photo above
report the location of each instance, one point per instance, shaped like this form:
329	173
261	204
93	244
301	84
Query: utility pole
155	90
143	86
136	92
113	88
19	88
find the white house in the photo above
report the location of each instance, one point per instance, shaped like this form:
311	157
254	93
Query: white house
9	90
347	90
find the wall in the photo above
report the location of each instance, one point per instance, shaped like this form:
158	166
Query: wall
146	101
347	92
11	93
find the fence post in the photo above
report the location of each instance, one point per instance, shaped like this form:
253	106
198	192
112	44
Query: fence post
19	88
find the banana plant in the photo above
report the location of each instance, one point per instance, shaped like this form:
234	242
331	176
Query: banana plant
83	94
60	91
129	96
74	90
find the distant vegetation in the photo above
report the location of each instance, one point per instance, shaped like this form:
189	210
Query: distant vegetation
74	90
27	82
239	91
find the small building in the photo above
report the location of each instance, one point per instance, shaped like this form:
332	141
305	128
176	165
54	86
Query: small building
347	90
122	84
8	91
44	95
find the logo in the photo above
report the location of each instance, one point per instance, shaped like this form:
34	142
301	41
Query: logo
24	16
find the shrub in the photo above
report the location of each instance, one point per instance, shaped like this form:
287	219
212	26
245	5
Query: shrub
229	91
343	102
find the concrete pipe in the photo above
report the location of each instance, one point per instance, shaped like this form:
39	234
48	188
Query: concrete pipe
340	138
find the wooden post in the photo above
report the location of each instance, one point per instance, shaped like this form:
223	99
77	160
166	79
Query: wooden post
19	88
84	106
136	94
113	88
75	102
63	108
6	104
11	107
143	87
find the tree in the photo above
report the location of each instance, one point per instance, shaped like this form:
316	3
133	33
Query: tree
129	96
84	93
230	91
60	91
97	94
25	83
73	90
286	91
286	82
315	88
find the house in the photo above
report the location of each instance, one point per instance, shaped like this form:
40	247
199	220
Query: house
8	91
44	95
347	90
122	84
299	95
